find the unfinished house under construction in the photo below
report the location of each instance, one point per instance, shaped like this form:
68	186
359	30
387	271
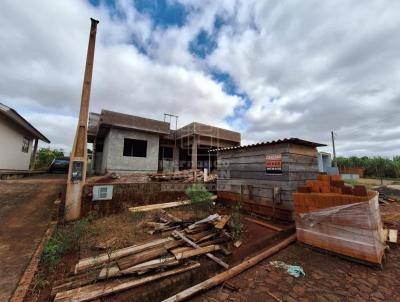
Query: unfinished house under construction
125	144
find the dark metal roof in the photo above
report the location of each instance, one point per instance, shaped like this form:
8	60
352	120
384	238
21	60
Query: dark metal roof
292	140
19	120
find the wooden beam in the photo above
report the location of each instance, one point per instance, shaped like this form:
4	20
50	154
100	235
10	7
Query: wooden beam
264	224
165	205
221	224
91	262
114	270
226	275
147	255
209	255
101	289
195	252
160	206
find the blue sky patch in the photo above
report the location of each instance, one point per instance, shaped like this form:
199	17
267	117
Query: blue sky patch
203	44
229	87
163	13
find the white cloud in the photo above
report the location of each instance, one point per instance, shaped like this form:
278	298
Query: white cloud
44	50
308	67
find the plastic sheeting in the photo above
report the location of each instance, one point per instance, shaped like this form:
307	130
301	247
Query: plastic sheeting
353	230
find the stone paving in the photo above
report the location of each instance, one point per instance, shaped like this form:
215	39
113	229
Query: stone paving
328	278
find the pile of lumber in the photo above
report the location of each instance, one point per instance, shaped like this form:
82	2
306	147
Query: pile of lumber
123	269
184	176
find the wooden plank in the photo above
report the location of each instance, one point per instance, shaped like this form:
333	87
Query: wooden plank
209	255
221	224
392	235
226	275
264	224
158	206
134	259
101	289
74	282
165	205
197	251
114	271
171	217
198	236
91	262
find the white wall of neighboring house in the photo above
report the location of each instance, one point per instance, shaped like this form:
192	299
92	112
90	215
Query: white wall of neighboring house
11	140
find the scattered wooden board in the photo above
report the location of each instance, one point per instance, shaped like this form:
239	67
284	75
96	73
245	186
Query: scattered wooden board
131	260
197	251
209	255
208	219
114	271
170	217
392	236
158	206
265	224
101	289
226	275
92	262
221	224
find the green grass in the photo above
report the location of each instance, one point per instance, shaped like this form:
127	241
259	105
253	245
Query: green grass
63	240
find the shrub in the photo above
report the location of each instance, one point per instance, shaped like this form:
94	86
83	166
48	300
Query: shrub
199	195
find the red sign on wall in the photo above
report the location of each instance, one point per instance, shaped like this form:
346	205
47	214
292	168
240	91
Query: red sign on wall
273	164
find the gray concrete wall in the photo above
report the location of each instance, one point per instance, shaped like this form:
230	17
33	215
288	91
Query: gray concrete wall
11	138
113	159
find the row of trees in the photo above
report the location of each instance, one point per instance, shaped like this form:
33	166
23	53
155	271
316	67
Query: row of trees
45	156
380	167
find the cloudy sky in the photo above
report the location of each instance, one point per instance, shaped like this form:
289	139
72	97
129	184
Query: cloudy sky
268	69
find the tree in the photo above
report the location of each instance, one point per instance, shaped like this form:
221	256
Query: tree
45	156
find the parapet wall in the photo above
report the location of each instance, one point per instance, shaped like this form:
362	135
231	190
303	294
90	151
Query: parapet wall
133	194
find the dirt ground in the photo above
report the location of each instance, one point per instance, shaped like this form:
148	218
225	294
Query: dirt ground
26	209
328	278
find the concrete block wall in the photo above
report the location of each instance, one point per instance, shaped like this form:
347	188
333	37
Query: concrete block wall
113	148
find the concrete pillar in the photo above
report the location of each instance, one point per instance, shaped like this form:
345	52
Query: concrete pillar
33	155
175	158
194	152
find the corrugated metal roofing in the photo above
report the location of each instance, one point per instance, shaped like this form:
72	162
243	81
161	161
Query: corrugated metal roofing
292	140
18	119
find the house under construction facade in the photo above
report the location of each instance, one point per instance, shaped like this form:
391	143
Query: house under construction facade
125	143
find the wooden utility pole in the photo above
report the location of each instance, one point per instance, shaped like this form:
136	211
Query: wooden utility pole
78	160
334	150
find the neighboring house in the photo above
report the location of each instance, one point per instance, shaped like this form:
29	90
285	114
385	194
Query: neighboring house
325	164
19	140
125	143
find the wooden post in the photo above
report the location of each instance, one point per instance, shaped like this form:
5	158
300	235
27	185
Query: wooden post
33	155
228	274
78	160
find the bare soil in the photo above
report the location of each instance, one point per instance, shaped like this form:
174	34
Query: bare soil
26	210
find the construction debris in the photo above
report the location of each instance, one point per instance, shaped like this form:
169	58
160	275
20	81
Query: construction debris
293	270
232	272
122	269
